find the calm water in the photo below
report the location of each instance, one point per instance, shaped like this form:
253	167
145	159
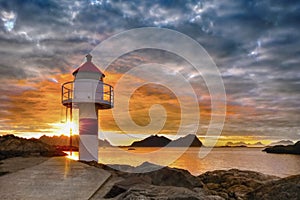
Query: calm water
219	158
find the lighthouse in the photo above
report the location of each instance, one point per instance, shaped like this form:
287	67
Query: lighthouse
87	93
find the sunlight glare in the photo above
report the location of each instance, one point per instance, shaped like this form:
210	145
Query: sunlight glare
64	128
74	155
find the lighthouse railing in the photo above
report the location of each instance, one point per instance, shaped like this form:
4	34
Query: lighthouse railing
67	91
103	94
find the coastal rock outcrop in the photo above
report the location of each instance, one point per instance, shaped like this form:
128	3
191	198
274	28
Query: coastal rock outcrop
150	192
289	149
172	183
12	146
233	183
162	183
167	176
284	189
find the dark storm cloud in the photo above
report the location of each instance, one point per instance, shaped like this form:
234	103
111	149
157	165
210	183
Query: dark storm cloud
254	43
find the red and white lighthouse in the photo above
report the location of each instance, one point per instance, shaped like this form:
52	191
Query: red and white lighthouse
88	93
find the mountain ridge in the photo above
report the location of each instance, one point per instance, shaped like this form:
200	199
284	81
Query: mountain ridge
189	140
282	142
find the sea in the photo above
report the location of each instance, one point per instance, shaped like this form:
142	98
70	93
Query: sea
222	158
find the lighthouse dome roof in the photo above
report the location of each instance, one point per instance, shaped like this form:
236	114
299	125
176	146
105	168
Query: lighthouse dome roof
88	66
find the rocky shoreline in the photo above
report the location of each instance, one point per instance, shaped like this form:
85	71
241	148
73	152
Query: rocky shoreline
177	184
149	181
13	146
165	183
131	183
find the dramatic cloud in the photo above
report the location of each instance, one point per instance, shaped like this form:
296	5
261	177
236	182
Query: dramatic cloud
255	44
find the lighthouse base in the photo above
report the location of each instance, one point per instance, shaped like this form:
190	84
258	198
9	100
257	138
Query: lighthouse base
88	147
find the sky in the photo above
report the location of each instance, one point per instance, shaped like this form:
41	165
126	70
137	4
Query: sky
255	45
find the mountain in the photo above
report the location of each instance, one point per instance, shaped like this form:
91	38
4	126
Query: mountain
243	144
236	144
258	143
152	141
161	141
188	140
104	143
289	149
281	142
63	140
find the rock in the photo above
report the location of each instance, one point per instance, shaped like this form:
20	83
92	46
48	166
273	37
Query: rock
164	193
233	183
284	189
213	186
167	176
125	185
289	149
12	146
171	183
164	177
146	167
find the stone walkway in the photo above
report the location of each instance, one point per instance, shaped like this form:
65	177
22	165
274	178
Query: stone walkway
57	178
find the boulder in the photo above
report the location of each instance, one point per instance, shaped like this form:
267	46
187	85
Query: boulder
283	189
166	176
171	183
233	183
124	185
164	193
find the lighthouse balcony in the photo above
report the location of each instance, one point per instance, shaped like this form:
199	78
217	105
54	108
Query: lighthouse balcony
87	91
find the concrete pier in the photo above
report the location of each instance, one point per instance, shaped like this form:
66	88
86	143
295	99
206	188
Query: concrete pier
58	178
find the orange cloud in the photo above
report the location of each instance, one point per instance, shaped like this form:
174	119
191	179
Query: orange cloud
37	109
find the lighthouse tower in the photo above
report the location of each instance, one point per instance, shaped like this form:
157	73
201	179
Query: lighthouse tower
88	93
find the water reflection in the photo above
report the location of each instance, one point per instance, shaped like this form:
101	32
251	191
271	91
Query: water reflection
220	158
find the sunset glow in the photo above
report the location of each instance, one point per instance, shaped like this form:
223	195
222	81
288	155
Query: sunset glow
259	67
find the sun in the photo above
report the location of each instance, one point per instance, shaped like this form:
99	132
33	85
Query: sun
64	128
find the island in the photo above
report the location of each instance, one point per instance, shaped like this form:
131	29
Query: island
244	144
281	149
189	140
